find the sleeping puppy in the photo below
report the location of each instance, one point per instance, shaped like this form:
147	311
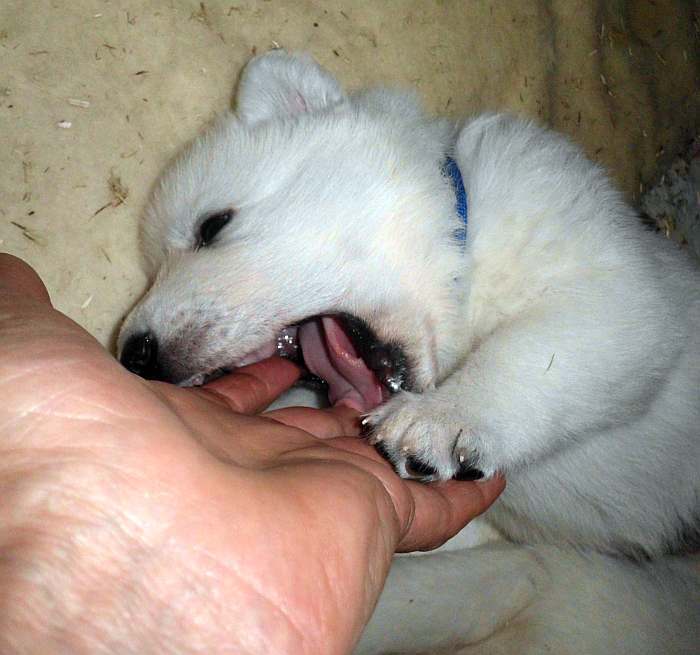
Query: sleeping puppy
480	292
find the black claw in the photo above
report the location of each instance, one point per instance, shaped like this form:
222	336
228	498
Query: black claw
467	472
418	469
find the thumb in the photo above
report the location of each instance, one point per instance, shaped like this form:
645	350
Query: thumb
17	277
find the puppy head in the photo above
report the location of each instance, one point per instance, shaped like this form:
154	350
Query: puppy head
307	203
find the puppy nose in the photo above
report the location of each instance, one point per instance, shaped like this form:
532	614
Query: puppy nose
140	356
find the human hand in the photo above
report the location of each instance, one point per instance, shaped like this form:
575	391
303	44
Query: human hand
139	517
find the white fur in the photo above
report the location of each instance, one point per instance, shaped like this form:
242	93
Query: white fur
561	347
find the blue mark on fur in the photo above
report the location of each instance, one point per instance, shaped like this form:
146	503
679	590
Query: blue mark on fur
451	170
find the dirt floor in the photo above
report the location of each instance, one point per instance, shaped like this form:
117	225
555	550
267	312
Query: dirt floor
95	95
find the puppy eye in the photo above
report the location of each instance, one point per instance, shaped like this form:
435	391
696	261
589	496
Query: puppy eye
212	226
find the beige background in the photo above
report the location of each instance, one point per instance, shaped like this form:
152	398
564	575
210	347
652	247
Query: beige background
620	77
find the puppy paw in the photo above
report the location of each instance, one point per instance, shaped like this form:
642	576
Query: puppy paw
427	439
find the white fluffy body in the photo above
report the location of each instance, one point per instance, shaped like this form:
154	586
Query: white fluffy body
561	346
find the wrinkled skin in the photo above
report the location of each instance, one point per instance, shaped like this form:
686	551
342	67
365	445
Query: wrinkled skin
139	517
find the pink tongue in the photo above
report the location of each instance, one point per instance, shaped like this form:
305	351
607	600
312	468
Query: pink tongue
329	354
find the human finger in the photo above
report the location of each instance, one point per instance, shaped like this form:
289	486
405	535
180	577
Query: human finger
34	337
321	423
17	277
427	514
441	510
252	388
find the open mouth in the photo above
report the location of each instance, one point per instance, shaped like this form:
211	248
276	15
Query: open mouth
341	352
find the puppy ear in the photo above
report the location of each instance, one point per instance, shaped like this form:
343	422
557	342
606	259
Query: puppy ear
282	84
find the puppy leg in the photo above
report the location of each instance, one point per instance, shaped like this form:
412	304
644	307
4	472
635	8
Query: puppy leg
532	387
451	599
507	600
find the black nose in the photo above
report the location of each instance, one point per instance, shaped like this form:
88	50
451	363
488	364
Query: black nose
140	356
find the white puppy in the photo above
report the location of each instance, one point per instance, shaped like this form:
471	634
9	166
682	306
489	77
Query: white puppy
558	342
